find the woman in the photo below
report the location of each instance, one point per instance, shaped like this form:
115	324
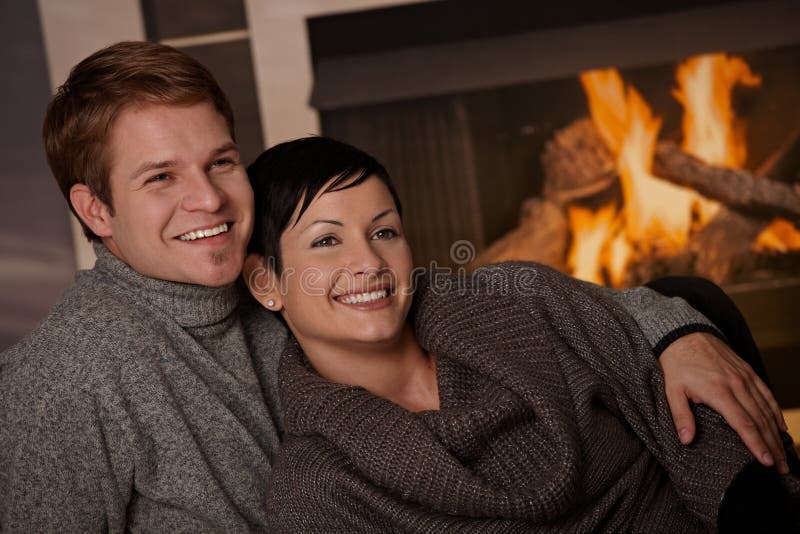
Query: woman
515	400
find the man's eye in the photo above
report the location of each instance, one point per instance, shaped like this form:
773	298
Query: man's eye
385	233
157	178
222	162
327	241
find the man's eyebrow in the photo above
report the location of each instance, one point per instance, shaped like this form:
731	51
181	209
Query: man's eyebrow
224	148
154	165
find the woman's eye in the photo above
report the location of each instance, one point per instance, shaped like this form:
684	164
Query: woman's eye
386	233
328	241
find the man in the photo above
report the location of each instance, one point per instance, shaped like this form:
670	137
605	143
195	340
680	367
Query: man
146	399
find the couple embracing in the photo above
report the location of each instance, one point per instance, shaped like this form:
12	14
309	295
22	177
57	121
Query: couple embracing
166	392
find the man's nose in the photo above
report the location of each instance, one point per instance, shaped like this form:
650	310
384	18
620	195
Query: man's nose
202	194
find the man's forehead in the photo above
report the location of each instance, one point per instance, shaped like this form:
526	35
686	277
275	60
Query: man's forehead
168	133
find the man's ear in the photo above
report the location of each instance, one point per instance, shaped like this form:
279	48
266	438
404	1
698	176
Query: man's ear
93	212
262	281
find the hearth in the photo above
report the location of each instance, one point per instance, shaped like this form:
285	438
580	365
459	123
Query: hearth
617	149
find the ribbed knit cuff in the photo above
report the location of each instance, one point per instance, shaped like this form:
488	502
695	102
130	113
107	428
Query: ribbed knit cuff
685	330
662	319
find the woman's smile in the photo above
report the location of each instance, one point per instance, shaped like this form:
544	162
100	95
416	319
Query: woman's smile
354	268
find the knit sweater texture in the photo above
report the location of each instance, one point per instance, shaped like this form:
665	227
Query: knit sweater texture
136	406
145	405
553	418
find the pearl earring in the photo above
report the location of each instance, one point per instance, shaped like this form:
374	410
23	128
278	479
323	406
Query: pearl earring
270	303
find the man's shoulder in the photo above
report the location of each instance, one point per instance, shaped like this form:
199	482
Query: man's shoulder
89	329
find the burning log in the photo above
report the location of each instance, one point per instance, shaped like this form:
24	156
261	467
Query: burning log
541	236
722	248
736	188
577	163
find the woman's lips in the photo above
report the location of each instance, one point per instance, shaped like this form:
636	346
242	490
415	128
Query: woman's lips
367	300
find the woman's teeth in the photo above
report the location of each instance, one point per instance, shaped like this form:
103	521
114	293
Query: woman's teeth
359	298
200	234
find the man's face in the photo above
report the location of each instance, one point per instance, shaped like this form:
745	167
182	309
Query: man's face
183	205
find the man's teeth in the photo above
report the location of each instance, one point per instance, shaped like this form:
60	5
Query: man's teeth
199	234
359	298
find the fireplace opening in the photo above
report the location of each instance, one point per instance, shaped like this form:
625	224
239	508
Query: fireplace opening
612	151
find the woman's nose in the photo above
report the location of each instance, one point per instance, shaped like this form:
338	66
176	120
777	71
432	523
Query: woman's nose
364	258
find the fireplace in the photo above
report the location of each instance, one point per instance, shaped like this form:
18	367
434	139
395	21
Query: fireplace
664	141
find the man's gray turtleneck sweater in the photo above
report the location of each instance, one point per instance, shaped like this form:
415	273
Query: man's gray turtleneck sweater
145	405
136	405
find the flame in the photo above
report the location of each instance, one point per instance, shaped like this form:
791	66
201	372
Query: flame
590	232
657	217
711	130
617	256
605	92
658	214
779	236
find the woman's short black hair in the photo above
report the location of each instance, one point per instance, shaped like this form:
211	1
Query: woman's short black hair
295	171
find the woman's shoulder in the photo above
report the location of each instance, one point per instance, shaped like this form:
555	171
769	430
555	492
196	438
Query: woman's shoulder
501	283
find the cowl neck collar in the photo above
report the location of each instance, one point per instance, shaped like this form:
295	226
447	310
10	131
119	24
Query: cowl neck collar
396	449
190	305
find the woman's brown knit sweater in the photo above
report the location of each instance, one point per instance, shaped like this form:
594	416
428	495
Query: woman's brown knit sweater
553	419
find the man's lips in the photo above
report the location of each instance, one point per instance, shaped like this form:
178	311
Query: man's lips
205	232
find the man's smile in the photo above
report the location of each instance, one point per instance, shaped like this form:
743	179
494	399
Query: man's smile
202	233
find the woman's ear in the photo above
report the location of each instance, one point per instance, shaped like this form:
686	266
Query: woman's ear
262	281
92	211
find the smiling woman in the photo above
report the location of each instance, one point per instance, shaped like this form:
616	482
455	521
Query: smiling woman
511	400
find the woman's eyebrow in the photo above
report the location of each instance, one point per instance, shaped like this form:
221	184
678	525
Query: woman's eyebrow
318	221
382	214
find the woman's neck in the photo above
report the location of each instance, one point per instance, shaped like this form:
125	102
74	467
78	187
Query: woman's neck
400	371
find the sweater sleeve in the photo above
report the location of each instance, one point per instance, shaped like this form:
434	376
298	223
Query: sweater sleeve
610	343
54	474
661	319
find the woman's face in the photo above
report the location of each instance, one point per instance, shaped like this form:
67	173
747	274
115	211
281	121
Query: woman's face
346	276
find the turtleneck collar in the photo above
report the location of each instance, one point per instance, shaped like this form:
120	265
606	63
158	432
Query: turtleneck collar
190	305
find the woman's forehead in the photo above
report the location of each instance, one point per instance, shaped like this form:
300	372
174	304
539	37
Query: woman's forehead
346	200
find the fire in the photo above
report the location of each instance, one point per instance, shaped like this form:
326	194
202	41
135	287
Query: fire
658	217
711	130
779	236
591	231
657	214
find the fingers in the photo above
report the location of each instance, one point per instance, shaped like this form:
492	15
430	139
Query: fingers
746	417
682	415
772	403
758	401
760	411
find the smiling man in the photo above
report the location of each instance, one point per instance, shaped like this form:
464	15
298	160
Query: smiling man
136	404
146	400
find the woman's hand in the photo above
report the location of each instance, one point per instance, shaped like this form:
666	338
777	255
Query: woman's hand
701	368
